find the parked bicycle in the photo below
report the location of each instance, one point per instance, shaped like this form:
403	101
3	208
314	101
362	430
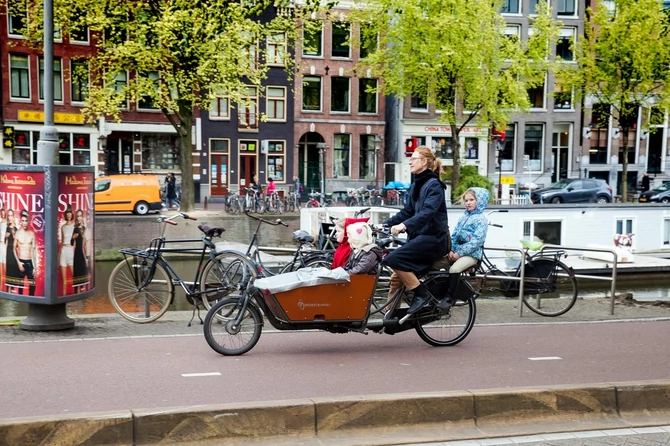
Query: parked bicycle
253	202
549	288
317	199
274	204
292	202
142	286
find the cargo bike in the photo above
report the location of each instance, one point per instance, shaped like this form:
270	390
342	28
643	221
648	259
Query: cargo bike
313	299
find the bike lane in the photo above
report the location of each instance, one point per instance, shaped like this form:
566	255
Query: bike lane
93	375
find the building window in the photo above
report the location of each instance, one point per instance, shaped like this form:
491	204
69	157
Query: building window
367	166
120	84
79	79
248	146
80	33
341	150
340	40
666	232
17	17
599	134
624	226
219	145
20	76
312	40
536	96
367	96
510	7
147	102
566	7
275	104
73	148
442	146
630	120
547	231
564	44
339	94
655	140
533	147
249	52
219	109
58	79
471	148
22	144
311	93
369	40
418	103
160	151
506	156
513	32
276	161
276	49
562	99
247	116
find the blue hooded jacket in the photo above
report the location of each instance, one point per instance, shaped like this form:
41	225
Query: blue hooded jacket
470	233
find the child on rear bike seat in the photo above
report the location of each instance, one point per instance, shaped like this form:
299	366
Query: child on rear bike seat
343	251
366	255
467	240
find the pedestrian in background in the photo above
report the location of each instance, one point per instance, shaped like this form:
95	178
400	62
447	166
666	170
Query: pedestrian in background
171	191
645	181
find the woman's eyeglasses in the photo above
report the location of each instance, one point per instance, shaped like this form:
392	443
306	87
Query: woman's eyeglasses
414	158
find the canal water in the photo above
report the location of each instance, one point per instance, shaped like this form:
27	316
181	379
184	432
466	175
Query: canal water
643	288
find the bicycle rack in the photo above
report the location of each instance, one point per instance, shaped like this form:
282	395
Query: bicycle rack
583	276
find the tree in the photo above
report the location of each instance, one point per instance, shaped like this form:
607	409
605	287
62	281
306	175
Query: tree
623	63
454	54
181	53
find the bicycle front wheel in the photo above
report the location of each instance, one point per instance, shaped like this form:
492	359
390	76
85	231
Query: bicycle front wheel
230	333
450	328
550	288
225	276
137	303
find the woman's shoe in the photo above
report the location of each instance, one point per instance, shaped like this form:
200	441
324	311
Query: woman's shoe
445	303
421	298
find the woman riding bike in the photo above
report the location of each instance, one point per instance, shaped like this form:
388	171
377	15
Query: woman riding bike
424	218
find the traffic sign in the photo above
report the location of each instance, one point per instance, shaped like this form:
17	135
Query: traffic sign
8	137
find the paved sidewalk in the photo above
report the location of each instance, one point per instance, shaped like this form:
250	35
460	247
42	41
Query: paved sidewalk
174	323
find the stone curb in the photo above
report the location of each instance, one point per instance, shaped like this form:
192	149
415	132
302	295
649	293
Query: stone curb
362	420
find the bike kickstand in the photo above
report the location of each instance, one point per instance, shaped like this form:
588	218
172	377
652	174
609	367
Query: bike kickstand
193	315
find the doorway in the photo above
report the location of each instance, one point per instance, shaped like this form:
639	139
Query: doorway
219	174
247	170
309	168
560	151
655	150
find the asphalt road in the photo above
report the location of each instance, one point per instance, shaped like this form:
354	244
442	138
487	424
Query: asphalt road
92	375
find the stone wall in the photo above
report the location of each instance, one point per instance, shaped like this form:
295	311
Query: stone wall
120	231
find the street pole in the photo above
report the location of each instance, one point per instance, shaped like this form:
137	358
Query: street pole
47	146
322	162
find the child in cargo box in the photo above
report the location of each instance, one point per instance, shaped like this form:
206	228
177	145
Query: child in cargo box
343	251
366	255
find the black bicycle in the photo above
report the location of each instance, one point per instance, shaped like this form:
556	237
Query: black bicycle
142	286
549	286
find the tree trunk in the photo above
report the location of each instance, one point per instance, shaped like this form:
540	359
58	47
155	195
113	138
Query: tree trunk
624	169
186	159
456	154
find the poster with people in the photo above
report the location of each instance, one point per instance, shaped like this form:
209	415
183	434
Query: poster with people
75	233
22	232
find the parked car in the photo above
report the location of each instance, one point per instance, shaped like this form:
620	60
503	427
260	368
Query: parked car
660	194
574	190
134	193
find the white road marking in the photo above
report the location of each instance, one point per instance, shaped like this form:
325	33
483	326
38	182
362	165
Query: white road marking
195	375
545	358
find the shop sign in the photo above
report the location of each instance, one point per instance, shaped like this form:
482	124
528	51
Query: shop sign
507	180
59	118
446	129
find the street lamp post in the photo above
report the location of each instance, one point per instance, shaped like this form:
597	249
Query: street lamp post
378	141
322	162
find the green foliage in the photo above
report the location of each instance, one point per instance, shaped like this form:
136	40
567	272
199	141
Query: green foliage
470	177
623	62
455	55
173	55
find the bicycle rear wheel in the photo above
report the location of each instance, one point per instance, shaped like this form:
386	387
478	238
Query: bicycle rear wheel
450	328
225	276
553	288
227	337
134	302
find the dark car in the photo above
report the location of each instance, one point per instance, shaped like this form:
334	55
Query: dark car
660	194
574	190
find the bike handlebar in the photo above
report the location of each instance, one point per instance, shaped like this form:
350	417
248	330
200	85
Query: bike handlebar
173	223
496	225
262	220
361	212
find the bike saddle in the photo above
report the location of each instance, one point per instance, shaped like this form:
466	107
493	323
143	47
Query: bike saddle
211	231
532	245
302	236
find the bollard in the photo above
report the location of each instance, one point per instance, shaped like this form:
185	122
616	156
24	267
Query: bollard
205	203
